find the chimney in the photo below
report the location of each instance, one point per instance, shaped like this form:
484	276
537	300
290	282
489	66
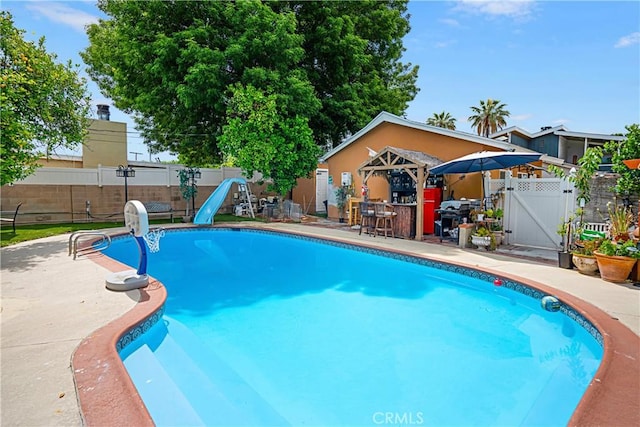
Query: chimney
103	112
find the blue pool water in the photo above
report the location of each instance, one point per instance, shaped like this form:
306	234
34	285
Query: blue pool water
264	329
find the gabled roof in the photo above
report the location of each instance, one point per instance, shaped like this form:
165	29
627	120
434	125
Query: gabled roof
385	117
525	133
395	158
601	136
557	130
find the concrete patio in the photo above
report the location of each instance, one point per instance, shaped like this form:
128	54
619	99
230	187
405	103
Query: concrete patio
51	302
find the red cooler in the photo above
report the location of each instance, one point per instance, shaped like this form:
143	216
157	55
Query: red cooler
432	199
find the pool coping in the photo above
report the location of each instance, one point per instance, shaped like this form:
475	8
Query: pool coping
107	396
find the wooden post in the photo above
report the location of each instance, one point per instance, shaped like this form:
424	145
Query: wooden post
420	204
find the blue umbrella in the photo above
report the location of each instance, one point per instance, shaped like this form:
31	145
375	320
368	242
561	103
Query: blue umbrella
485	161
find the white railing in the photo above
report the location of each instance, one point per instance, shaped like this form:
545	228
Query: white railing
596	226
106	175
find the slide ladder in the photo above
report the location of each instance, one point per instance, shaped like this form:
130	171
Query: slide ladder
216	199
102	243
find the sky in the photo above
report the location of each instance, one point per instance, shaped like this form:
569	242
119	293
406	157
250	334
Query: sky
571	63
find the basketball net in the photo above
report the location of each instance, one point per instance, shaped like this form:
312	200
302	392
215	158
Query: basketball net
153	239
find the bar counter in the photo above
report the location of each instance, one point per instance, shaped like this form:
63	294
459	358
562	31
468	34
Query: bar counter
405	221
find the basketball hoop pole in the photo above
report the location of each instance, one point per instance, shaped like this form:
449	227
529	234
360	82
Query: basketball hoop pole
142	265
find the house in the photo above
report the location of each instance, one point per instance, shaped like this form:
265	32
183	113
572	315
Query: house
556	141
342	163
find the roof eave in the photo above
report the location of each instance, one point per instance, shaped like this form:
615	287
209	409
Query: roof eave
391	118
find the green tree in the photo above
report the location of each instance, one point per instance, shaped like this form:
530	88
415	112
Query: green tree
44	104
629	148
173	64
588	165
489	117
261	140
352	57
442	120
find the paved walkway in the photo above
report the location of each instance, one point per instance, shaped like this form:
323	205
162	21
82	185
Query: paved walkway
49	303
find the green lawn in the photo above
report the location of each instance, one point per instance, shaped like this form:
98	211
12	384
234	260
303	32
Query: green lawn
37	231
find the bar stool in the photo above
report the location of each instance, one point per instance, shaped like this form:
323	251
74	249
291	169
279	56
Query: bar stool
353	213
385	215
367	217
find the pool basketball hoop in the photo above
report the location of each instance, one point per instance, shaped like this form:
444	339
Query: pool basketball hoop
137	222
153	239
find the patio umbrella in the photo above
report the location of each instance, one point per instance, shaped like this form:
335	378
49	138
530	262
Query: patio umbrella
485	161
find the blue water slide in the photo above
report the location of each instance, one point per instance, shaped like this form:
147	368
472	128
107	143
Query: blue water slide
216	199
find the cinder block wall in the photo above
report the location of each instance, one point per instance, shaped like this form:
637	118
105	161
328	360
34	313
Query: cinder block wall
68	203
601	194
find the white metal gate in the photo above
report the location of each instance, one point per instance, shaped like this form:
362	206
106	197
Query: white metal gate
533	209
322	188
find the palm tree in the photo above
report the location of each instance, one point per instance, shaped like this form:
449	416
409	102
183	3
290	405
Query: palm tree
442	120
489	117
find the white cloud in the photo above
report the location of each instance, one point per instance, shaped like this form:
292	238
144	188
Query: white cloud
561	121
445	43
63	14
510	8
521	117
450	22
628	40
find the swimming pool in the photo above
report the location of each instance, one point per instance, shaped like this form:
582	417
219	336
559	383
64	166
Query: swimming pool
310	333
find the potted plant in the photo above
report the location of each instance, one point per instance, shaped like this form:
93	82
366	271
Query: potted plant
342	195
188	190
476	215
564	255
620	219
583	257
494	224
483	238
616	259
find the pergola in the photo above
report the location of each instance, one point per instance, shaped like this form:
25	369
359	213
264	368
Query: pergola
415	163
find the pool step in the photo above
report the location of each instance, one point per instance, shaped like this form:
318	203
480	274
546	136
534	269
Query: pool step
542	409
163	398
214	390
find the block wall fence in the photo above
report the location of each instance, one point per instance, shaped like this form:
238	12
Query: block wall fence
45	199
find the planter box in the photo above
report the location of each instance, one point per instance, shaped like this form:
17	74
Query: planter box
564	260
483	241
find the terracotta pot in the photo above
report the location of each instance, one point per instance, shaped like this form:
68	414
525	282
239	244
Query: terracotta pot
614	269
586	264
498	235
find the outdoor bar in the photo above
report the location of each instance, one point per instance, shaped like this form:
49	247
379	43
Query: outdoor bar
407	171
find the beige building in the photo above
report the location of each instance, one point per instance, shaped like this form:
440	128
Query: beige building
105	145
